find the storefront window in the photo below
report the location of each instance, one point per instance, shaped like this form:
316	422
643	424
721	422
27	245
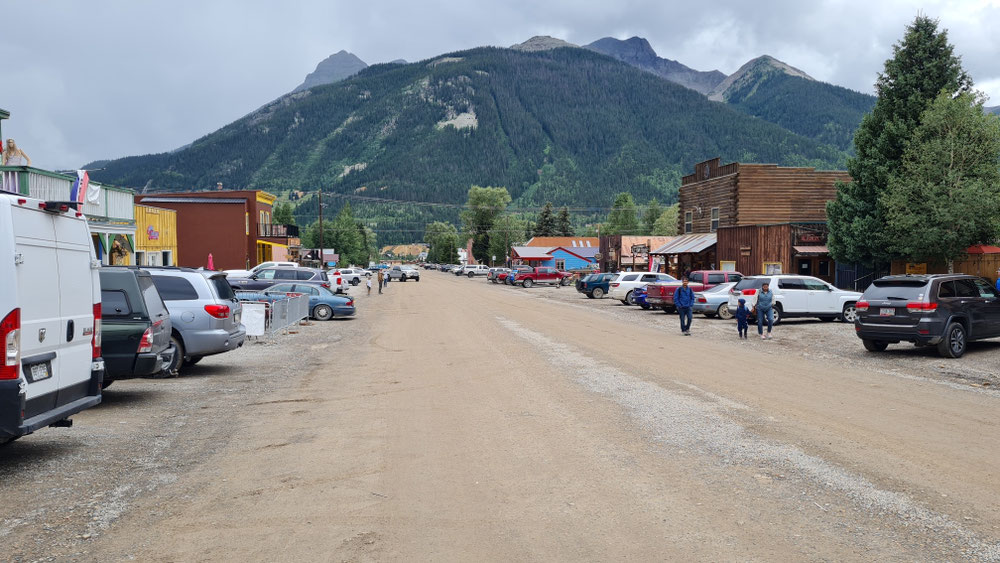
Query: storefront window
688	220
715	219
772	268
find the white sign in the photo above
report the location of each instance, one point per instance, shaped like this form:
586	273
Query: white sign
253	318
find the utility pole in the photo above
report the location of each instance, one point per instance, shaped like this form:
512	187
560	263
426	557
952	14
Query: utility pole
321	262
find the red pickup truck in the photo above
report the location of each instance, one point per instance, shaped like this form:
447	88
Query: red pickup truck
532	276
662	294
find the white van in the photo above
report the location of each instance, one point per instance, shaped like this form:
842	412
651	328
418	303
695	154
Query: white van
50	316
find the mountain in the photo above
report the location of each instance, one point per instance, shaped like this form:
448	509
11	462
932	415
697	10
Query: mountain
994	110
566	125
334	68
637	52
771	90
542	43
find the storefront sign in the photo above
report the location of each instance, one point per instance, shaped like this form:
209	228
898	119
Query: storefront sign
806	239
916	268
152	234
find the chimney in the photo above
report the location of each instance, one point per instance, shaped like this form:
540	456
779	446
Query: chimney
218	187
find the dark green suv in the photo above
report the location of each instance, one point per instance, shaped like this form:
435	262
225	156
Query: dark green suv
135	325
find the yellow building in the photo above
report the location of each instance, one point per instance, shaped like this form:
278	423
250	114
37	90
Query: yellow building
155	236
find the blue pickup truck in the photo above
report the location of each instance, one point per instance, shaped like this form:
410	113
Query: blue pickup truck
595	286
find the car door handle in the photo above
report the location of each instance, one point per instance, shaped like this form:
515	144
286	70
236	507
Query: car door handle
69	330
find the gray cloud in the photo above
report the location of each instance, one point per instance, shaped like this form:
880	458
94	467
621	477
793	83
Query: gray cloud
110	78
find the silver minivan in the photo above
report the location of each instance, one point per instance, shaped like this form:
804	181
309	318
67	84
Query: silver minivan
204	312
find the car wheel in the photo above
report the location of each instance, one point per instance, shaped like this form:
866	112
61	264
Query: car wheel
527	283
597	293
416	279
954	342
724	312
629	298
875	345
850	313
589	295
645	306
175	363
355	281
777	314
402	278
192	360
322	313
470	275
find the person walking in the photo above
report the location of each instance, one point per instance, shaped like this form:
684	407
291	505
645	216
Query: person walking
742	314
380	282
765	310
369	284
684	300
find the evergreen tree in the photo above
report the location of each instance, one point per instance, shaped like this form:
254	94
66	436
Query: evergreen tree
481	210
283	214
652	213
563	226
666	223
507	231
923	65
546	225
946	195
443	240
622	220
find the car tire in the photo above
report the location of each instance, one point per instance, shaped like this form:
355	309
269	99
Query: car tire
177	361
416	279
527	283
355	281
645	306
955	341
624	302
629	298
849	314
875	345
192	361
471	275
723	312
777	314
402	278
322	312
597	293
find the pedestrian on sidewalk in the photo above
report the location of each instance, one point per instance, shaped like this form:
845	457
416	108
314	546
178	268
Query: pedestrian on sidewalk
380	282
765	304
742	316
369	284
684	301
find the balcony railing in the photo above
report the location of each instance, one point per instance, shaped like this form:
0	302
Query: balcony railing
113	204
271	230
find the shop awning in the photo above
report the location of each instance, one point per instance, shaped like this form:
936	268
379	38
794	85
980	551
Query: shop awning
272	243
982	249
688	244
811	250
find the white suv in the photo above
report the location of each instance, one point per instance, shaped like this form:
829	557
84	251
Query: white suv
798	296
472	271
622	286
352	275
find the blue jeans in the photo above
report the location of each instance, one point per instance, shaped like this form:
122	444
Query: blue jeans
765	314
686	316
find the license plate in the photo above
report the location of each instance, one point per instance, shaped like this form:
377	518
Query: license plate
236	318
886	312
40	372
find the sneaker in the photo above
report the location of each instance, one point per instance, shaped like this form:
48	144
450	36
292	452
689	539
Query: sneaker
762	337
769	336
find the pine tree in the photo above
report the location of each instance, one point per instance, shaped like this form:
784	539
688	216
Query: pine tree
652	213
923	65
622	220
546	224
666	223
481	210
563	226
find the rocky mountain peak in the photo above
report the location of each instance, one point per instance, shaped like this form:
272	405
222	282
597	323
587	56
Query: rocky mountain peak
542	43
334	68
754	70
637	52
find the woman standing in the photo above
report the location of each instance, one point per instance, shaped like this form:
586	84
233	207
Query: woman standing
14	156
765	310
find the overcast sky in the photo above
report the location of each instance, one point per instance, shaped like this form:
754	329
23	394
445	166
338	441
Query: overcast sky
94	79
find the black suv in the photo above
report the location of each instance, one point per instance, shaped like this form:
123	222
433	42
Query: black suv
944	310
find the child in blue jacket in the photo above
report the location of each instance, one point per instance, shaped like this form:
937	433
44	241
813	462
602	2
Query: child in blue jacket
742	314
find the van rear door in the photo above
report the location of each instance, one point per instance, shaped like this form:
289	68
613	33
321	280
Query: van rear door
74	252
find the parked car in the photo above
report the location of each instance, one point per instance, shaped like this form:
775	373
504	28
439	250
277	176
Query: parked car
595	286
943	310
269	276
50	316
798	296
352	275
714	301
404	272
204	313
639	298
136	329
662	294
494	272
508	279
533	276
323	303
621	287
473	270
233	274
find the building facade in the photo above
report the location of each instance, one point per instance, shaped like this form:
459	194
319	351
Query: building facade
155	236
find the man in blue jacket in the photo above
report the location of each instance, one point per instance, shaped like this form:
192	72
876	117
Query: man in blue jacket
684	300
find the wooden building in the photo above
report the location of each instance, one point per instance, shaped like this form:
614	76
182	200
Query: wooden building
784	248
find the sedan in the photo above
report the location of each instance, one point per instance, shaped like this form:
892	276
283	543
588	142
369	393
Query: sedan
323	303
714	301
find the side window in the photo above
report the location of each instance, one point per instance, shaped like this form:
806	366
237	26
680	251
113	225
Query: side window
307	289
285	274
265	275
173	288
154	304
280	288
965	288
735	277
715	279
303	274
223	288
791	283
114	303
630	277
946	289
663	278
648	277
984	288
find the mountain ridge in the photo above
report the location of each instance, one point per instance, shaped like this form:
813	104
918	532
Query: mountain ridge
637	52
334	68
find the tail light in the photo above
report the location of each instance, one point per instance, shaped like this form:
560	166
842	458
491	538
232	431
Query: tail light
218	311
326	285
616	284
921	307
861	306
749	292
350	303
702	300
146	342
95	343
10	335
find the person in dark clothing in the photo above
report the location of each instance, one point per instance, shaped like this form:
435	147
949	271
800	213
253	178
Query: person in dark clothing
684	300
765	311
742	316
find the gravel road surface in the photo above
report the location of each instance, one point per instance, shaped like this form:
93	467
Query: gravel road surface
457	420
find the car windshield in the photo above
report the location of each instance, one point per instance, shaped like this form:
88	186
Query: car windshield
750	283
901	290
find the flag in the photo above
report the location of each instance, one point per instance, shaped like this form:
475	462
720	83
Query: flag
93	192
80	186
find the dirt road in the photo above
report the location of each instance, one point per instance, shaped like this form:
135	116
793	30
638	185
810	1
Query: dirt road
465	421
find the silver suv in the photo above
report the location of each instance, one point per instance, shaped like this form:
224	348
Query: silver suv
204	312
404	272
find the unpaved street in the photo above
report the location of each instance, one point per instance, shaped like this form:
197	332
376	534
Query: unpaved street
460	420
